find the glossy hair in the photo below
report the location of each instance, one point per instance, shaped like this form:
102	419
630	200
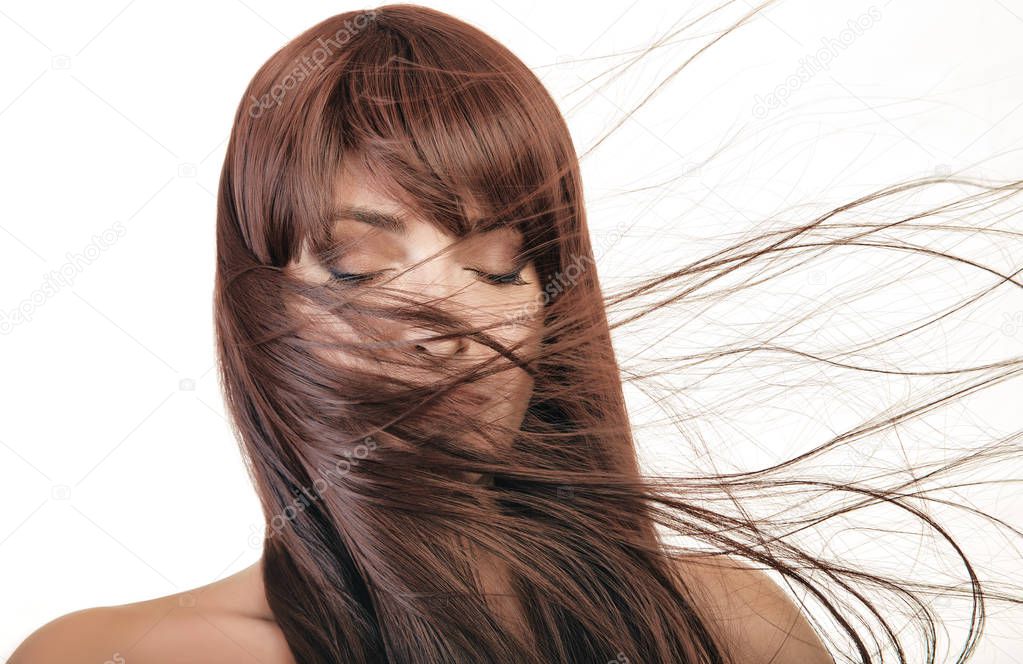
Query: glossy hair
366	556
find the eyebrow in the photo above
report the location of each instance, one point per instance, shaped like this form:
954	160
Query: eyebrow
395	223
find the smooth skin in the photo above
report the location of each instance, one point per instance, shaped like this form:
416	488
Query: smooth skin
423	262
229	621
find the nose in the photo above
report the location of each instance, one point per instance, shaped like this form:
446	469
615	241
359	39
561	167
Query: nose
427	344
437	282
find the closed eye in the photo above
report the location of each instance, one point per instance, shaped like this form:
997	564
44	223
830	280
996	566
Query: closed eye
350	277
508	279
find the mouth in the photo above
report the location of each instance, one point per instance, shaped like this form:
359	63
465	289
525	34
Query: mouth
471	395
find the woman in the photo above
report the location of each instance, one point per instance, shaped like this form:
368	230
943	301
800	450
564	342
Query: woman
415	352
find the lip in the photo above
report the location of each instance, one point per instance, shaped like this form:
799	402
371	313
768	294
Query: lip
476	399
471	395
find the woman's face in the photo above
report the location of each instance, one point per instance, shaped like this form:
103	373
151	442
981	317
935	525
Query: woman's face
478	279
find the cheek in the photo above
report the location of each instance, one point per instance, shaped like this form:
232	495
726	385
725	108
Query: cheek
512	315
524	314
325	332
519	310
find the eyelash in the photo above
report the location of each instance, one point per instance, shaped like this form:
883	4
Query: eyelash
349	278
509	279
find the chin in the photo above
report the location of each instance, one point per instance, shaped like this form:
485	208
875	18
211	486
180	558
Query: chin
483	479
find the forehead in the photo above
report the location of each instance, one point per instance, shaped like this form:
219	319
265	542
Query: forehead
360	204
353	187
355	222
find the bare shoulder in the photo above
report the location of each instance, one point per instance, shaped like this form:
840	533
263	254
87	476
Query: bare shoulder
152	634
758	621
202	625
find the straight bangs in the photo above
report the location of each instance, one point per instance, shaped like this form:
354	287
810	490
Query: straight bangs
448	133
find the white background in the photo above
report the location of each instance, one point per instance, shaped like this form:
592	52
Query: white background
119	477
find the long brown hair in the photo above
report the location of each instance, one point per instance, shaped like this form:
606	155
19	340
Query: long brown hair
369	528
